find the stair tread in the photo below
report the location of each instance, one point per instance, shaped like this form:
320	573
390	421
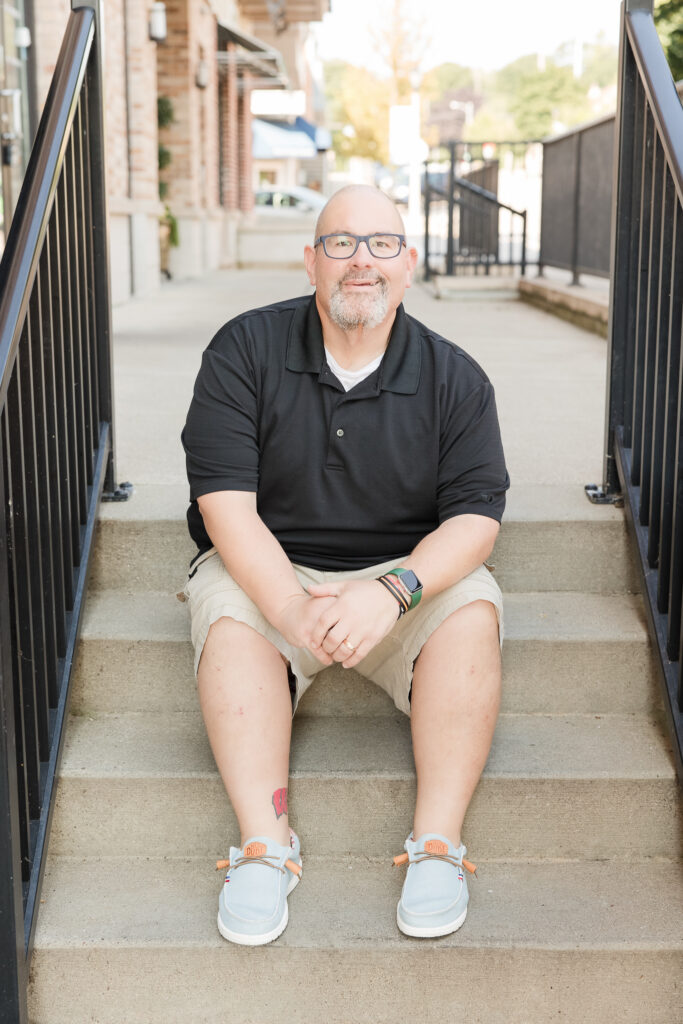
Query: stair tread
167	502
350	903
544	616
174	744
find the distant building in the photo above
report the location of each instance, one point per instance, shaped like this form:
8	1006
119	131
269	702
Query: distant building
215	52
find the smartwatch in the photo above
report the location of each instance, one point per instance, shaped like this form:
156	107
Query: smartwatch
411	583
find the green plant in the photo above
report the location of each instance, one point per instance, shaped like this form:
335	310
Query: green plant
165	118
169	218
164	112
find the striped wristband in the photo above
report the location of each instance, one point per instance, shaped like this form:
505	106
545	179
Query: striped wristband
389	581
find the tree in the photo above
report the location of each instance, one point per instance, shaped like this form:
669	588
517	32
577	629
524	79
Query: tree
545	98
358	108
401	41
669	22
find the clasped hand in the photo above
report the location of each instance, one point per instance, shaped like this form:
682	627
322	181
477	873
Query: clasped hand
341	622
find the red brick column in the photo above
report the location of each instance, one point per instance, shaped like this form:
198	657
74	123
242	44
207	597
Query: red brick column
230	135
246	191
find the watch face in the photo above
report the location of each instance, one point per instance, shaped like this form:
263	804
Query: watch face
410	580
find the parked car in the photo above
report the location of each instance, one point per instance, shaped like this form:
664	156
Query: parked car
296	199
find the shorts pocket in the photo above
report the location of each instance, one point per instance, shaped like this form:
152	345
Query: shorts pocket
184	594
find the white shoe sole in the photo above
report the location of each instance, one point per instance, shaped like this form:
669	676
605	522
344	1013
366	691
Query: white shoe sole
430	933
259	940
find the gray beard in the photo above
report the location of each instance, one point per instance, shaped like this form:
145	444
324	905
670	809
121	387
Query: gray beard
352	311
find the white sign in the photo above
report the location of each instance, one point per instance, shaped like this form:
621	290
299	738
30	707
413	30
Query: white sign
404	132
278	102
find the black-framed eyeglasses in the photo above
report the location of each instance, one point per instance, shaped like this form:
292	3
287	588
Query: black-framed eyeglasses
343	246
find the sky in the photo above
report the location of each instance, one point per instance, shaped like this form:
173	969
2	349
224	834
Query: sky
486	35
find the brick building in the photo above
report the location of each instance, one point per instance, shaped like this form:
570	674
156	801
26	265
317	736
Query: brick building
213	54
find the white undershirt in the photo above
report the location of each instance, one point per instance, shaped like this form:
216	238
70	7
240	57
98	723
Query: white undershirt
349	378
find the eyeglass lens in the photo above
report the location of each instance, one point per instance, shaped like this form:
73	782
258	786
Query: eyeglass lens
342	246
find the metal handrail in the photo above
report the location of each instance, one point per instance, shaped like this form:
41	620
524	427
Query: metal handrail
40	183
459	191
644	401
56	458
660	89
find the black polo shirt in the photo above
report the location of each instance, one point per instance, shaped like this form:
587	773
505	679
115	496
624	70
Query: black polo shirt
343	479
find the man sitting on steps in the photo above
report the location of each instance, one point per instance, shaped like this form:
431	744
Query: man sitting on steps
347	482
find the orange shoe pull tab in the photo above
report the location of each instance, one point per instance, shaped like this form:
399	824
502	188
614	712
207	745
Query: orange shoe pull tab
222	864
436	846
472	868
255	850
401	859
293	867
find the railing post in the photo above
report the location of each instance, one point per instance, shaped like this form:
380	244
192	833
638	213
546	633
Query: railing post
427	203
451	207
523	243
575	219
620	247
101	298
13	974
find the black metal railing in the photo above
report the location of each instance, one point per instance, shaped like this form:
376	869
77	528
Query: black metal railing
467	228
644	416
56	440
576	200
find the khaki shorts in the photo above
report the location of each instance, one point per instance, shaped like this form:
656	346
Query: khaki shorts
212	593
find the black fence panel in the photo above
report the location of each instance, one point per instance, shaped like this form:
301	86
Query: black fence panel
644	414
576	199
56	455
467	228
479	217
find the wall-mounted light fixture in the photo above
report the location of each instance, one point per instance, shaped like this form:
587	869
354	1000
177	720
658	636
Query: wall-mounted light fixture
201	77
157	22
22	37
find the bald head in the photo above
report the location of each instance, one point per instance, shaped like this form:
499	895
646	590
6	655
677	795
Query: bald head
364	200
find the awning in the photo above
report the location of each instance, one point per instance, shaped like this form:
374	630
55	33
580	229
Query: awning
321	136
264	62
278	142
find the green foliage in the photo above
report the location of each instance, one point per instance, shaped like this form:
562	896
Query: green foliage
600	64
669	22
164	112
544	98
169	219
358	110
165	157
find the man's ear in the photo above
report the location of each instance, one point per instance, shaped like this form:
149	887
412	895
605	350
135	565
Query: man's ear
309	263
411	263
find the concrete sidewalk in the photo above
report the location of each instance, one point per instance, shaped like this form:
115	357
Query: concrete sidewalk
549	375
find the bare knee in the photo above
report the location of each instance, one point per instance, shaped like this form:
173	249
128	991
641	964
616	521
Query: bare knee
470	632
231	640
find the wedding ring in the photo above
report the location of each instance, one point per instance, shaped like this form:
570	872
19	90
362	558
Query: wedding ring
347	644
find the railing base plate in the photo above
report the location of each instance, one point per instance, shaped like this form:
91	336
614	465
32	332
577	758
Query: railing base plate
599	496
122	493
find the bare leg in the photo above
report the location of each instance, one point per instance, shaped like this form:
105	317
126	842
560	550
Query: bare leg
454	705
244	696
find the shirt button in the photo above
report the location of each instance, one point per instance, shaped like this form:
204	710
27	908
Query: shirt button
340	432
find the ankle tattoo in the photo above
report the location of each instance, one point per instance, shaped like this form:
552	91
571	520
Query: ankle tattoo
280	802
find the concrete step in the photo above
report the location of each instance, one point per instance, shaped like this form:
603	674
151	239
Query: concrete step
552	538
555	786
563	653
134	942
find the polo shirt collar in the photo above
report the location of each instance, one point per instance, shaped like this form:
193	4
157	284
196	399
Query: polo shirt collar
399	370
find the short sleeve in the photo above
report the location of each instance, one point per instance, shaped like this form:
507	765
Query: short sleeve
472	475
220	437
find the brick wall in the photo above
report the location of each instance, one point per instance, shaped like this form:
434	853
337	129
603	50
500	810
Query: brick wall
50	21
142	76
51	18
193	138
